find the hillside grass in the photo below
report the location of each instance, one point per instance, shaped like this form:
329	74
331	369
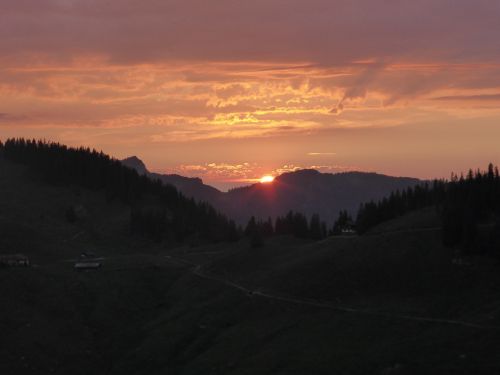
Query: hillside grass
144	313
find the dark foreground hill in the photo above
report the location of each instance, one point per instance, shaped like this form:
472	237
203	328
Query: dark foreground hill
306	191
394	301
157	210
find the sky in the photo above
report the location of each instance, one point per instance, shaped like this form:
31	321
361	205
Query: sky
230	90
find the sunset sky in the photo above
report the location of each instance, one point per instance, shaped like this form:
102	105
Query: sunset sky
231	90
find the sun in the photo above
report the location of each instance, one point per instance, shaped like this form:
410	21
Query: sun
266	179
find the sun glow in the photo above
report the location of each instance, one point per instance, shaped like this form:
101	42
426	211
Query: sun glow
266	179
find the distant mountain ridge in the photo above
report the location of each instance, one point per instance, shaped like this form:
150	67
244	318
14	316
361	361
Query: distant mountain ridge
135	163
192	187
307	191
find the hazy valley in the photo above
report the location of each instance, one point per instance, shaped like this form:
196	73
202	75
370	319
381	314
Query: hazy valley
306	191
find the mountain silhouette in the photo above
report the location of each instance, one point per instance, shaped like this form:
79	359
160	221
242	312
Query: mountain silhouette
190	186
135	163
307	191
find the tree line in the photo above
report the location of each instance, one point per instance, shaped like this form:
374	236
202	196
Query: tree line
400	202
469	207
156	210
293	223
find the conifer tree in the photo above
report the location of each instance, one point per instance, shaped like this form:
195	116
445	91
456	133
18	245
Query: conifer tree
315	231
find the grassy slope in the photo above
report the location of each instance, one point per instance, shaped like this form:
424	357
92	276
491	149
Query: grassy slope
33	218
146	314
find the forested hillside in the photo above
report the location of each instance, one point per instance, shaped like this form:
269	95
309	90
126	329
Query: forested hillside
157	210
469	207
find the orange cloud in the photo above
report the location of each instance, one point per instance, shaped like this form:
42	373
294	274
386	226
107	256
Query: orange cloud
190	74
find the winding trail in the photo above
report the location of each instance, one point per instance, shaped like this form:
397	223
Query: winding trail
409	230
196	269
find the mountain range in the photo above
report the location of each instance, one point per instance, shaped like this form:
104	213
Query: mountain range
307	191
190	186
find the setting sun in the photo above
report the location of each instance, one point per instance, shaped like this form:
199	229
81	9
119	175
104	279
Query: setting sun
359	116
266	179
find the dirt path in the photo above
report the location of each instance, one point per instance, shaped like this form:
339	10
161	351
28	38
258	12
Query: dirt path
411	230
197	270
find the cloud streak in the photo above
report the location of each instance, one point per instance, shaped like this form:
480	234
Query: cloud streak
161	73
230	175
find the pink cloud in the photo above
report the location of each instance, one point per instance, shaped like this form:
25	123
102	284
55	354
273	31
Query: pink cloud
176	74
